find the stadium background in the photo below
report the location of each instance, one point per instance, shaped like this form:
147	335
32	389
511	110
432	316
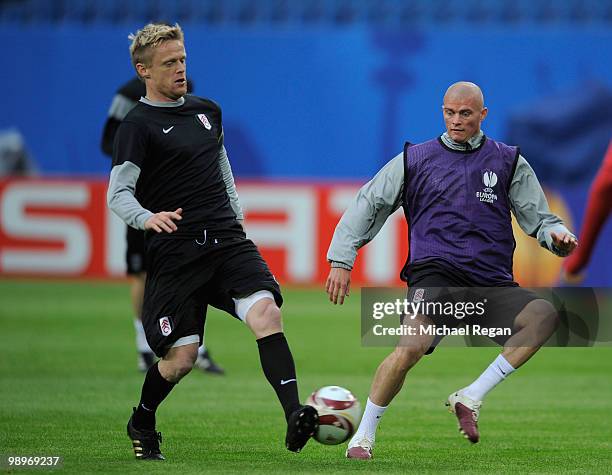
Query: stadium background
317	95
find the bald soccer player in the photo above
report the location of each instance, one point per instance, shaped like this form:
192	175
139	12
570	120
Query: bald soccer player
457	192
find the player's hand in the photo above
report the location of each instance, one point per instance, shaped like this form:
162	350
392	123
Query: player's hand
164	221
564	242
338	284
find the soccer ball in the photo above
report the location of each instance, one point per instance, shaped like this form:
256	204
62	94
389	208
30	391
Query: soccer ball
339	414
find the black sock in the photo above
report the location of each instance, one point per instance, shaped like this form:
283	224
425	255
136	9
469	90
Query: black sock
277	364
154	390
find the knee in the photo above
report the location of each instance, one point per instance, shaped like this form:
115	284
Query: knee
179	364
182	368
407	356
265	319
544	314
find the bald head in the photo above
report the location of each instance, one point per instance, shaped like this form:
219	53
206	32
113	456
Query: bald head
463	110
464	91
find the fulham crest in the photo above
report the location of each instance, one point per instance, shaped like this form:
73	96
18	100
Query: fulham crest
165	326
204	120
418	295
487	195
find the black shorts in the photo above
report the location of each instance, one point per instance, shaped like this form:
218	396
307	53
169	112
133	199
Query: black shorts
135	253
185	277
501	304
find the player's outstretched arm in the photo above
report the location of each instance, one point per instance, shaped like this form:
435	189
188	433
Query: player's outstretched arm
367	213
599	207
164	221
338	284
533	215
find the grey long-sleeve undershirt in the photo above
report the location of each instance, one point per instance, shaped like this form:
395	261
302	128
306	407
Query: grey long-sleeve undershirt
382	196
122	187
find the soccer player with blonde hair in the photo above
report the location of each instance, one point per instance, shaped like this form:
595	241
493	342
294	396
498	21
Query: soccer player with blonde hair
171	177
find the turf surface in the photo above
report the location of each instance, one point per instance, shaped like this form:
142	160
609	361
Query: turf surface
68	380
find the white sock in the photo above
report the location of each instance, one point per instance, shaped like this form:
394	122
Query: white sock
495	373
141	340
201	350
369	423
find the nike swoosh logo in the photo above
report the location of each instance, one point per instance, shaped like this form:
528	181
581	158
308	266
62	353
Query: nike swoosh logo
168	129
283	382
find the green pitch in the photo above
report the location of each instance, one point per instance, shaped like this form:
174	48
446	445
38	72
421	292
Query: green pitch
68	380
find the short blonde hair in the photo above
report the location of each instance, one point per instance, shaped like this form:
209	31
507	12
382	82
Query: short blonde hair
150	37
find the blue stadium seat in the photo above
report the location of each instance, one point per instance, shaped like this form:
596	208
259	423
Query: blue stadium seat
384	13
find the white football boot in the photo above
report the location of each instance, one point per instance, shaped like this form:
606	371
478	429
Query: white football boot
467	411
